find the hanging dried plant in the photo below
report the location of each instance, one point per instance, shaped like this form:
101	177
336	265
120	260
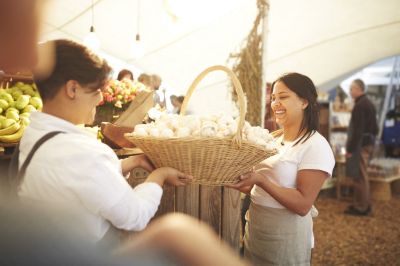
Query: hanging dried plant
248	66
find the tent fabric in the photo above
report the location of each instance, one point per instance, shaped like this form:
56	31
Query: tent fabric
326	40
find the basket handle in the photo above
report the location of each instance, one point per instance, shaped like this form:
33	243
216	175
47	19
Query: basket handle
238	88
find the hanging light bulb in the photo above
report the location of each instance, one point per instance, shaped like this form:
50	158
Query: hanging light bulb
91	40
137	49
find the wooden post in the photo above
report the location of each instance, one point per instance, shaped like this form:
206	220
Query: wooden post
231	220
187	200
167	204
210	206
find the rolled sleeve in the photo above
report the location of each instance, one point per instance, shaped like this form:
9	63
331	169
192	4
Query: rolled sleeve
136	207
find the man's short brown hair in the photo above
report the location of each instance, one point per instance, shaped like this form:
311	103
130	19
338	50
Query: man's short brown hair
73	61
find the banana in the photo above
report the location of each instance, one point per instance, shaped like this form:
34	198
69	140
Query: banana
10	130
14	137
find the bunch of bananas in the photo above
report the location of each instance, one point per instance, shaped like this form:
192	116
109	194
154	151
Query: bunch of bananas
16	105
12	133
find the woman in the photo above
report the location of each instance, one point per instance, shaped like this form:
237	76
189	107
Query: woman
125	74
75	173
284	187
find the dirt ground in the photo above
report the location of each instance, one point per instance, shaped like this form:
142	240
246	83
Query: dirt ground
349	240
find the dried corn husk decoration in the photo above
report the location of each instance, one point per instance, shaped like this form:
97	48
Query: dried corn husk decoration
248	66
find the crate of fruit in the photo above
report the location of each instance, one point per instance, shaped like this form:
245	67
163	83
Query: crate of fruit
216	149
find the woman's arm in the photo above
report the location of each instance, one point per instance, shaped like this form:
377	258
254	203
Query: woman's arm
299	200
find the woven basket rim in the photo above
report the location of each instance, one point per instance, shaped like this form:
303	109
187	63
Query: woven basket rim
132	137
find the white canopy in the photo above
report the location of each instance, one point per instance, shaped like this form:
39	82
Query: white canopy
326	40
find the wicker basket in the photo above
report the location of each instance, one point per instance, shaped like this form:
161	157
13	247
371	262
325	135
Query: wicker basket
212	161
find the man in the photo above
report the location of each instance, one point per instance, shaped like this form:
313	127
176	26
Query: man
30	236
360	141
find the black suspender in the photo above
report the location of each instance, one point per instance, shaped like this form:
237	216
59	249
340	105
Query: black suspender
16	175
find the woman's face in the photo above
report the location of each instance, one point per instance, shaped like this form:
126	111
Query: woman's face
127	76
287	107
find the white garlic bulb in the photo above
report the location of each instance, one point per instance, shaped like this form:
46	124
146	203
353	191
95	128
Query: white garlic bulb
140	132
182	132
208	131
166	133
154	132
190	121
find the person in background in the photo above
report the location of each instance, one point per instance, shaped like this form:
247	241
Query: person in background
125	74
177	102
284	187
156	83
360	142
145	79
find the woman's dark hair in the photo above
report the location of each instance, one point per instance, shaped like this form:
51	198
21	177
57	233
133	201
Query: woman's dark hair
305	89
123	73
73	61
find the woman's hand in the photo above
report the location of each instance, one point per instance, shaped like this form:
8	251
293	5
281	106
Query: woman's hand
246	182
168	175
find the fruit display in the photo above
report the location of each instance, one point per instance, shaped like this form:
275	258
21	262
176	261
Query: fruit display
16	105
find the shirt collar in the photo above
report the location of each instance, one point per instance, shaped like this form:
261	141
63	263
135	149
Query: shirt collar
359	97
46	122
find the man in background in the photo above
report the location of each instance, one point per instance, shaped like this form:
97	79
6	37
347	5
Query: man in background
360	142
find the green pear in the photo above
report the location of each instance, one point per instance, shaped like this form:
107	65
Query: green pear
12	115
12	109
3	104
19	84
27	115
28	109
6	96
36	102
16	93
25	121
22	102
28	90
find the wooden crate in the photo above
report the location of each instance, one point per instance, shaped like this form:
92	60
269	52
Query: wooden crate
381	187
217	206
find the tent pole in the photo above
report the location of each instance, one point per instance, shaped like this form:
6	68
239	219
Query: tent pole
264	33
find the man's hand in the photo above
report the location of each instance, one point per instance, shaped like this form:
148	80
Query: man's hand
136	161
168	175
143	162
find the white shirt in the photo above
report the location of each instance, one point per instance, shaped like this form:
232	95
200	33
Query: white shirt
76	174
282	168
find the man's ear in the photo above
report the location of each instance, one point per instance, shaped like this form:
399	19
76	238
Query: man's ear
70	89
304	104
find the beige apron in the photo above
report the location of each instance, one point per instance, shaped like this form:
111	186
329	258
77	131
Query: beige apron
277	237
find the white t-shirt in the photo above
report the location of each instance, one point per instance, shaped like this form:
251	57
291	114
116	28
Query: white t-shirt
282	168
75	173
